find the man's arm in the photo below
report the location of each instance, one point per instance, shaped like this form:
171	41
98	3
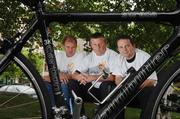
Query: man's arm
46	76
84	78
148	83
79	76
151	81
118	79
64	77
91	78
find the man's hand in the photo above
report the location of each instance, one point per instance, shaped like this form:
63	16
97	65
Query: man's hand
80	77
148	83
64	77
118	80
91	78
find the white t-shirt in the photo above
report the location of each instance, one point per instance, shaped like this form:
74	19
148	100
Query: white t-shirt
94	65
68	64
140	58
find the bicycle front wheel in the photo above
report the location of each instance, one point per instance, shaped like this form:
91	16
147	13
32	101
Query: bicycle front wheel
22	91
165	100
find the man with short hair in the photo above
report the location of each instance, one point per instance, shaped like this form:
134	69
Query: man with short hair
130	56
67	61
100	59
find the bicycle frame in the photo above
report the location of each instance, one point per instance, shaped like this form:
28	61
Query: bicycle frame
128	89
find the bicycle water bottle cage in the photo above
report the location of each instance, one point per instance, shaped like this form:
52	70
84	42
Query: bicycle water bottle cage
104	75
130	72
90	88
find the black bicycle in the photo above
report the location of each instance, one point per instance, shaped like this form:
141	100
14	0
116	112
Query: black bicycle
163	102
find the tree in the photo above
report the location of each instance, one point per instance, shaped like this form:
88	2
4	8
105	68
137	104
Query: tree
146	36
13	17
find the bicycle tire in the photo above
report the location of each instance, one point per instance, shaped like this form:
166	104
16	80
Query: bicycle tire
160	104
44	106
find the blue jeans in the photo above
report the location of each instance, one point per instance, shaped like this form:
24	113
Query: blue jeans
67	95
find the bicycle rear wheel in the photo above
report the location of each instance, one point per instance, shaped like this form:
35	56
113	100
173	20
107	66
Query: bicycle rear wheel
165	100
29	97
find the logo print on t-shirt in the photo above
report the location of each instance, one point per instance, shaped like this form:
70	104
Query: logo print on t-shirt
70	67
102	65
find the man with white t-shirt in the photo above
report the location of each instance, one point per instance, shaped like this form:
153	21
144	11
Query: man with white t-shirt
129	57
100	59
67	61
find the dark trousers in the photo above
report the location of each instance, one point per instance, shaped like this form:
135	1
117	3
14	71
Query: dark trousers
139	101
81	91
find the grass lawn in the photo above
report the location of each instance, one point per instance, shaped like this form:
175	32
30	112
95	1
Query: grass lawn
23	106
131	113
32	109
